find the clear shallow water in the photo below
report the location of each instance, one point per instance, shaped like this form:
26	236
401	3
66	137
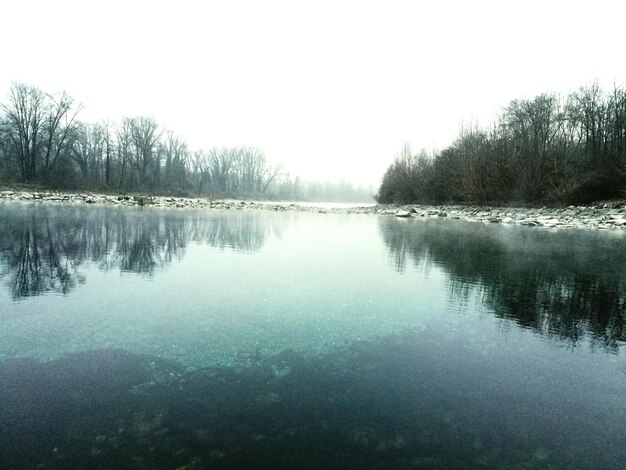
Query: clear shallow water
168	338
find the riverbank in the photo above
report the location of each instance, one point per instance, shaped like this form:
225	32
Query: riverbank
605	215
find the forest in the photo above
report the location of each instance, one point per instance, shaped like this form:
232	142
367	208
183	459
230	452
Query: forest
43	142
551	149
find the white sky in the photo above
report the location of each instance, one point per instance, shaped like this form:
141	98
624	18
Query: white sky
331	88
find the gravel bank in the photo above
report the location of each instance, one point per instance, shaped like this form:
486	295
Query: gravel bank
610	215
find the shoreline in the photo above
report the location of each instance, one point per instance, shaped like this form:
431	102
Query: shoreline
609	215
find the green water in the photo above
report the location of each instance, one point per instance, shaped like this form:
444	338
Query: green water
252	339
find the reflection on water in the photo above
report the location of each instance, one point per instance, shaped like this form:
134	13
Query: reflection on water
42	248
568	284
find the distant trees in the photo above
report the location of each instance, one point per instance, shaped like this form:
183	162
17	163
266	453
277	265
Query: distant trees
41	141
549	148
234	171
295	189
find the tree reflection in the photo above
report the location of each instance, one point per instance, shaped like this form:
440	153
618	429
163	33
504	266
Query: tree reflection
42	248
570	283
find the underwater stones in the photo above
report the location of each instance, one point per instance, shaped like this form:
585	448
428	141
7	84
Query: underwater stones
361	436
402	213
145	424
268	398
429	463
541	455
395	443
280	372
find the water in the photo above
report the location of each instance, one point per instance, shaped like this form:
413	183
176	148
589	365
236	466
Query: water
135	338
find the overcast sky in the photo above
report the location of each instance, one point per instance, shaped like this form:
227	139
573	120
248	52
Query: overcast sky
330	88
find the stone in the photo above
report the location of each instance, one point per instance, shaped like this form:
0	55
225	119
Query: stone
402	213
143	200
550	222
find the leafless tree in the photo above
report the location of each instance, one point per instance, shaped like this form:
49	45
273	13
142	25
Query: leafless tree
60	129
145	134
23	127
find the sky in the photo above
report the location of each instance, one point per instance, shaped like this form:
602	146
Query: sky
332	89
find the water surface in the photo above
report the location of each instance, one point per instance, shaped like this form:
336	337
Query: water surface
252	339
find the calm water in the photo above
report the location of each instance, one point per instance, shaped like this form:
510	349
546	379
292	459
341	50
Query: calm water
155	338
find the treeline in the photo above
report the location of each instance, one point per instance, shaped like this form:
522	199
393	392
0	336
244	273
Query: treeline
547	149
42	141
295	189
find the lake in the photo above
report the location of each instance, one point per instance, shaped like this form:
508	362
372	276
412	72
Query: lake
163	338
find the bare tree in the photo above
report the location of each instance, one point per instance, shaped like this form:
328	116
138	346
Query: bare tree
88	151
175	156
123	134
145	134
25	114
271	174
60	129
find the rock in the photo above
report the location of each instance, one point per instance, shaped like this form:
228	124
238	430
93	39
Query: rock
530	223
507	220
442	214
402	213
143	200
493	220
